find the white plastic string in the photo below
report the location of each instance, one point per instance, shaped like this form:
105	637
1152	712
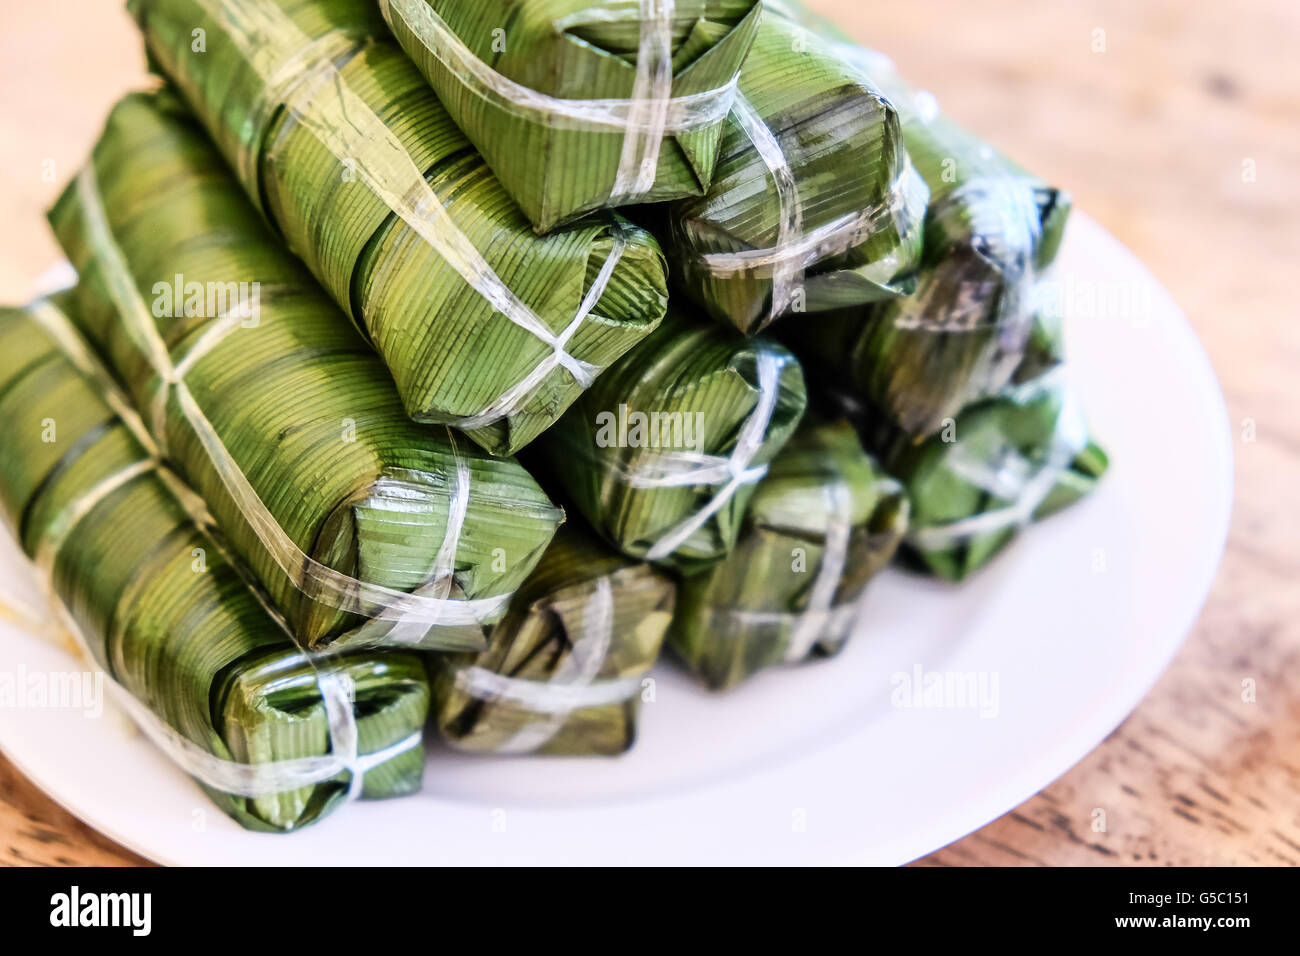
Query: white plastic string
1008	243
322	102
825	619
796	250
1025	486
216	333
221	327
253	780
442	573
324	105
1014	243
227	776
572	687
651	92
319	582
512	398
543	697
682	114
685	469
787	265
63	524
338	694
64	334
829	239
74	348
839	527
275	776
1004	478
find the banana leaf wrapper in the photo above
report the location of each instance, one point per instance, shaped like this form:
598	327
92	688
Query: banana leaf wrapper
162	610
991	233
563	671
822	523
1007	462
310	435
815	205
578	106
663	454
345	149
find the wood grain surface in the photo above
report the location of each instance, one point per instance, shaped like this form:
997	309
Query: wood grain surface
1152	136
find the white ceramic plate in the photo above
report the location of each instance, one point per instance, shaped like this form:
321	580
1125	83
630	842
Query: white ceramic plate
818	764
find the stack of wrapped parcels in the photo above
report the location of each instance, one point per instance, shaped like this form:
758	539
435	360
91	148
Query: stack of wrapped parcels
450	358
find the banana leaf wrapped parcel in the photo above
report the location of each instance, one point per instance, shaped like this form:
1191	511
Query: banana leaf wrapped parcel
663	454
822	523
563	671
276	737
345	149
815	204
577	105
991	232
1004	463
364	526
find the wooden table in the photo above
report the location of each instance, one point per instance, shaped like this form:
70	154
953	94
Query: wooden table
1151	136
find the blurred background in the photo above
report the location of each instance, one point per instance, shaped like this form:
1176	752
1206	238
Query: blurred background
1151	112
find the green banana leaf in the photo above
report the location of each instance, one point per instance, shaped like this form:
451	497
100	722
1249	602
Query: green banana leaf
822	523
1045	348
662	455
815	205
1004	463
520	77
991	232
346	150
563	672
291	395
164	612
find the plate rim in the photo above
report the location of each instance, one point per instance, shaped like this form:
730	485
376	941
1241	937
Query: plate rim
960	819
